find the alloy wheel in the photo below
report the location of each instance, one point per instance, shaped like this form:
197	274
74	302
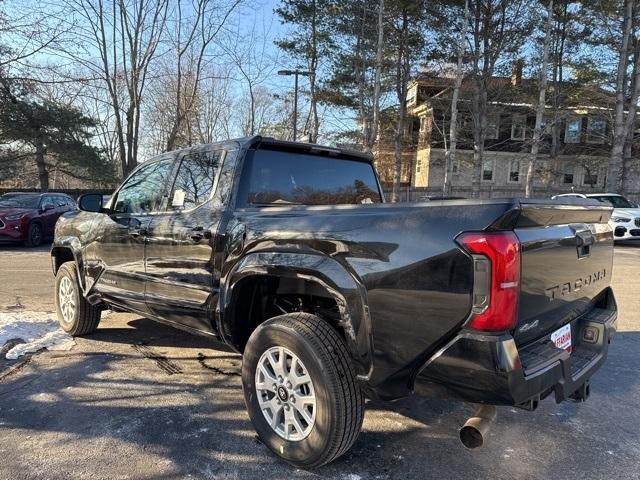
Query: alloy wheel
66	299
285	393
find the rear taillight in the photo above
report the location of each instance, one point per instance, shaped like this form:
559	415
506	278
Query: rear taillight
496	286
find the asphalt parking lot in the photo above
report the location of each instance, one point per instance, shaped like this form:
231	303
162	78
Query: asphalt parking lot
138	400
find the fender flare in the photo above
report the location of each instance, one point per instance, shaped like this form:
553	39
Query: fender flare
345	288
71	244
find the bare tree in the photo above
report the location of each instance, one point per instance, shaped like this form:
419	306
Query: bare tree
537	131
498	28
375	124
251	58
620	133
214	120
453	126
407	39
191	40
126	35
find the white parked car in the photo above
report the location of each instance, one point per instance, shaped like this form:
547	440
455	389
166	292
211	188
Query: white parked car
625	219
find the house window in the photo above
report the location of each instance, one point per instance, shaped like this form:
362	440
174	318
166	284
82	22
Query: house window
590	177
487	170
596	130
567	174
493	126
542	172
545	127
411	95
514	170
572	130
518	127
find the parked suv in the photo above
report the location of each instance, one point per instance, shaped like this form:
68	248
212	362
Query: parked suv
287	253
625	219
31	217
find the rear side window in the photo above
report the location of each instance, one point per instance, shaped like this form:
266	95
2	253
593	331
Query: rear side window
195	179
289	178
61	201
48	201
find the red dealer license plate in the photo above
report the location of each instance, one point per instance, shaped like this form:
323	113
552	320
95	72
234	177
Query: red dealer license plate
562	338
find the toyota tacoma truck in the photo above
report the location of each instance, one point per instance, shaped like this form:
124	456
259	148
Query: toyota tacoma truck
287	253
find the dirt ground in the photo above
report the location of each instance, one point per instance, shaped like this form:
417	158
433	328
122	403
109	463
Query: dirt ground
138	400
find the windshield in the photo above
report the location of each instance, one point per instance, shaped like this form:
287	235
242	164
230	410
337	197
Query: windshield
291	178
616	200
19	201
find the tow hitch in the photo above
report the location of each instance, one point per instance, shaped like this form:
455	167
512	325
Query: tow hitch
582	393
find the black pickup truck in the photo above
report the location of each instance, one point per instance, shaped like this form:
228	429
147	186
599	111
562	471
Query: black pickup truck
287	253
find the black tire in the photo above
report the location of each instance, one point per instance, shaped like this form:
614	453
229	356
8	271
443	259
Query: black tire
86	317
339	398
35	235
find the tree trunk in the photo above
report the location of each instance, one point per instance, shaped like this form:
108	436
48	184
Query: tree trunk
614	179
43	173
373	131
450	157
313	138
479	134
479	119
629	124
402	74
537	131
558	78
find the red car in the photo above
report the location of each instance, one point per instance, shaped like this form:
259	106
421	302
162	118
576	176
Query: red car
31	217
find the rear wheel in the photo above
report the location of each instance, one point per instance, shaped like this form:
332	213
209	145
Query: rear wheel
76	316
301	390
34	235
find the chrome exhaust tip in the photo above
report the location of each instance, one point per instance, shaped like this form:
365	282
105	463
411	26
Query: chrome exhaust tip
475	430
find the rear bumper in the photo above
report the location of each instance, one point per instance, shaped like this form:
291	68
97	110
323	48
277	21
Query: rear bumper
491	369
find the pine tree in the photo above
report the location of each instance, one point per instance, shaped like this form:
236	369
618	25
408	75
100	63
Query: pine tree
47	130
309	42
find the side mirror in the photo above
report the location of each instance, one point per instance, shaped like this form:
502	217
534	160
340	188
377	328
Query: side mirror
90	202
47	207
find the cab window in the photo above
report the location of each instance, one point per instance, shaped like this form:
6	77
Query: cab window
291	178
142	191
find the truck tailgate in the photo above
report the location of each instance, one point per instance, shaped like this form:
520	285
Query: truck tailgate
566	262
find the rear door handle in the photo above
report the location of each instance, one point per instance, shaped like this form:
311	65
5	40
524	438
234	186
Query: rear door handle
137	231
198	233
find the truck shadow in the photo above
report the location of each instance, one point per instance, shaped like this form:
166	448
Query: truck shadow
148	332
123	415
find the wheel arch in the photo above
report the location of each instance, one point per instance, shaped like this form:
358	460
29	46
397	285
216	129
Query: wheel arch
67	251
321	275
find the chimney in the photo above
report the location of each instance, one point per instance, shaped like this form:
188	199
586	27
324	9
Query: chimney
516	72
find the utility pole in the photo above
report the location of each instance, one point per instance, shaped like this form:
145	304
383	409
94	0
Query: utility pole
295	74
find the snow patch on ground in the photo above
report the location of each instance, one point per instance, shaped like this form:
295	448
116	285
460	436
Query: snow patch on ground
37	329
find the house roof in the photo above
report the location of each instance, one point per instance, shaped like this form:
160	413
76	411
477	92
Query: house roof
501	90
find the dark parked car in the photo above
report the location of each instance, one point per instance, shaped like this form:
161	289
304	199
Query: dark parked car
286	253
31	217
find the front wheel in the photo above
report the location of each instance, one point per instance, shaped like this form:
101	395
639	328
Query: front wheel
300	389
76	315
